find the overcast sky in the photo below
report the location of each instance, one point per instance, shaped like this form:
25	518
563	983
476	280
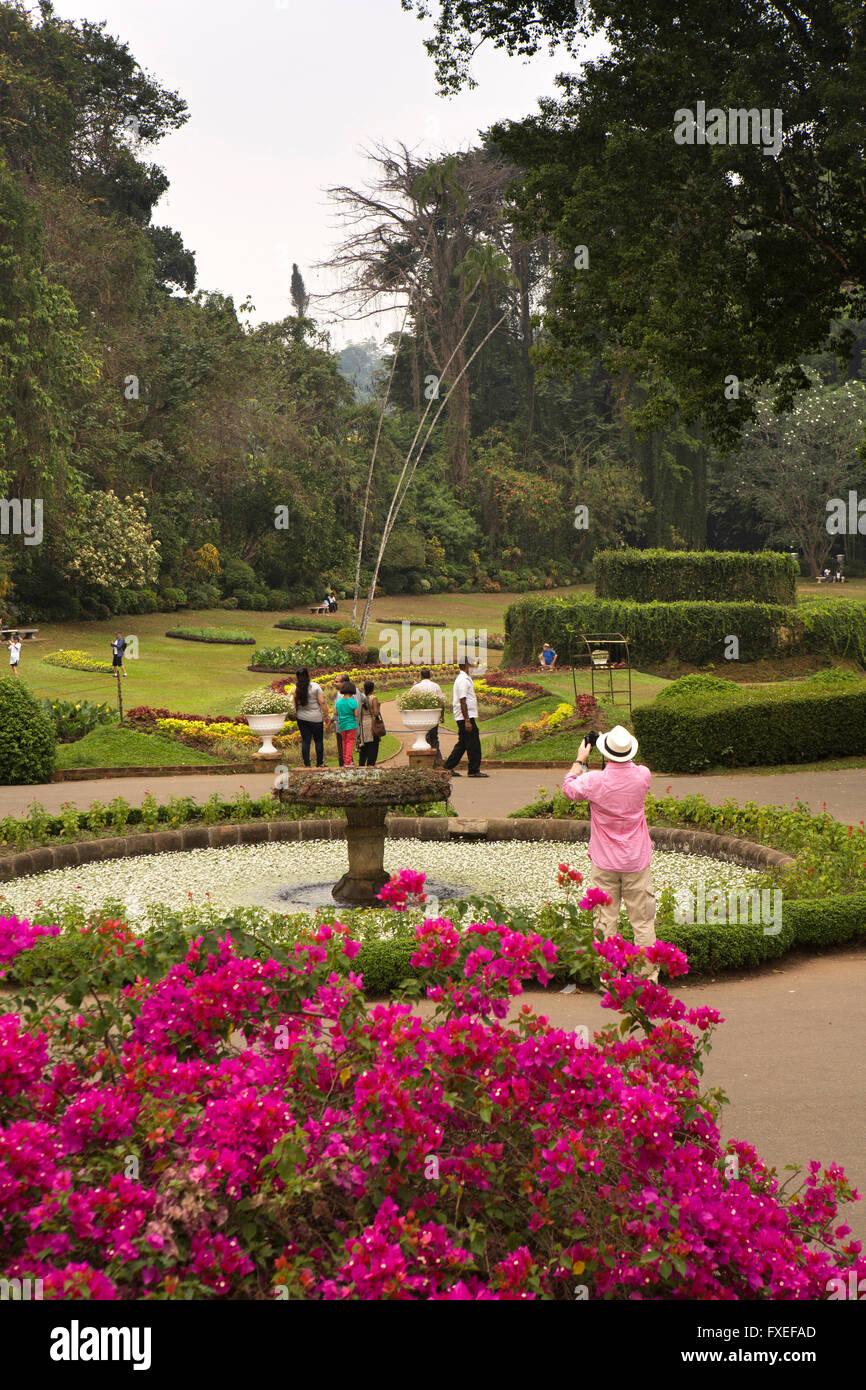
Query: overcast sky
283	97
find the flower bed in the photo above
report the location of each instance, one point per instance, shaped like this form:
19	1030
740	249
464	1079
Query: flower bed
516	876
286	1142
74	660
229	635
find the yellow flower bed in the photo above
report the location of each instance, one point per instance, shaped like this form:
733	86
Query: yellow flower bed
78	661
546	723
213	733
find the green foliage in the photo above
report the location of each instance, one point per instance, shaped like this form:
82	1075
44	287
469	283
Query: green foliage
347	635
668	576
695	685
314	654
75	718
657	632
747	728
212	634
27	736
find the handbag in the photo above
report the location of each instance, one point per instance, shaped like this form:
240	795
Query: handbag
379	730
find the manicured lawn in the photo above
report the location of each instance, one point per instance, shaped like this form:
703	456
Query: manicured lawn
110	747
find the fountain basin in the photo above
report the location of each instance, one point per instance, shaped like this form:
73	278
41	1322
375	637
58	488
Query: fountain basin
366	794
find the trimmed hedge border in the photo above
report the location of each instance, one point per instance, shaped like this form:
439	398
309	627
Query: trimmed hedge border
751	729
214	641
667	576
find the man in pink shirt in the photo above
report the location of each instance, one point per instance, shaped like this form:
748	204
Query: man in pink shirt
619	845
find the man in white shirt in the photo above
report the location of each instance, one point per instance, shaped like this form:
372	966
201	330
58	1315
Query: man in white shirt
464	705
427	686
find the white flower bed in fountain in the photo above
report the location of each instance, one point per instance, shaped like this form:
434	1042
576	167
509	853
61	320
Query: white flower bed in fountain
516	873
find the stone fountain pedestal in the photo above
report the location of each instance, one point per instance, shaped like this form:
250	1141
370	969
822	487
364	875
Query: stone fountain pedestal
365	839
366	795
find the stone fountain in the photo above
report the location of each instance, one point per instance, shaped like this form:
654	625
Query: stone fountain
367	795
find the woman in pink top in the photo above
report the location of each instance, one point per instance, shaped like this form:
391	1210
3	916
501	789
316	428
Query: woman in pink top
620	847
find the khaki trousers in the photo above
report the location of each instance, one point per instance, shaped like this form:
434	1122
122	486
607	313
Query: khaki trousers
635	892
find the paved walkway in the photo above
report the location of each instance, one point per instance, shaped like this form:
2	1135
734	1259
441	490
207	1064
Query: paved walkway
791	1057
843	793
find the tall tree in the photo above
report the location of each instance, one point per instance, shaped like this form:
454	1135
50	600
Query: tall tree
713	266
298	291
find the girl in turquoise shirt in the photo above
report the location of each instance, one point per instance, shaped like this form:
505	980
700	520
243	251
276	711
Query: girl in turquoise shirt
348	710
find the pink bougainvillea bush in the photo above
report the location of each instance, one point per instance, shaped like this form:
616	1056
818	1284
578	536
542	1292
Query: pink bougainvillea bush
247	1126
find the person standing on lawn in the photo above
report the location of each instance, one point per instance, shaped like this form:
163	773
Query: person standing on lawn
427	686
311	711
14	653
371	719
332	722
348	710
118	647
620	848
464	705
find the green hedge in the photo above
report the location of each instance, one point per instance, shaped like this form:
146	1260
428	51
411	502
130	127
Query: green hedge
747	727
657	632
692	632
669	576
27	736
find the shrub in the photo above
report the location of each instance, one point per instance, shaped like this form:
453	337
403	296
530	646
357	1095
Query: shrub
212	634
346	635
549	1143
323	652
668	576
656	632
698	684
73	719
243	598
279	598
312	624
746	728
27	738
258	603
229	602
149	601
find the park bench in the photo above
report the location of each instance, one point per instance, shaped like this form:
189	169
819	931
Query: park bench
320	608
27	634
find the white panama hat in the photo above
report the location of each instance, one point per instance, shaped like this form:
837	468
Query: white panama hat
617	745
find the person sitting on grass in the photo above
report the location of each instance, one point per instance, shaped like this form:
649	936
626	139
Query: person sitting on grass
547	657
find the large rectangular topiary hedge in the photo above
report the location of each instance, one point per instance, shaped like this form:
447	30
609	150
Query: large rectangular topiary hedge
749	728
692	632
671	576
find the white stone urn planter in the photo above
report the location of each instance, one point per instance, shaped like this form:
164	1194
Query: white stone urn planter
266	726
422	720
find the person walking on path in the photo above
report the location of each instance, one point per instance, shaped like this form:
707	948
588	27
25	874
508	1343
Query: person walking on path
370	722
464	705
620	847
14	653
118	647
311	711
547	657
427	686
348	709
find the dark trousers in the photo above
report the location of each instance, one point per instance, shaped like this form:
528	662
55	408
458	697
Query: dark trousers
339	745
312	729
468	742
368	753
432	737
